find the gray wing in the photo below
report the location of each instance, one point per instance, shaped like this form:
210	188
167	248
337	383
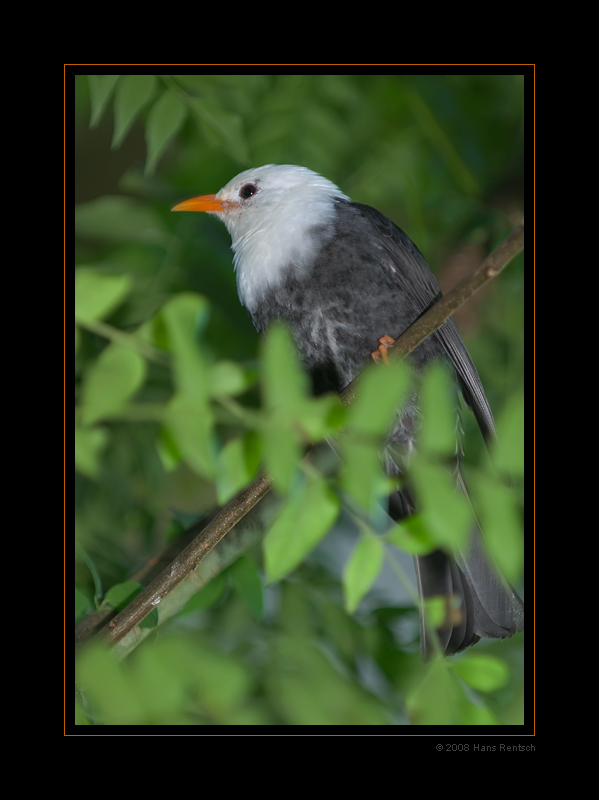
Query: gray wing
404	260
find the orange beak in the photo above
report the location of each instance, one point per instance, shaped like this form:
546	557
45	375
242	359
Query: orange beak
207	202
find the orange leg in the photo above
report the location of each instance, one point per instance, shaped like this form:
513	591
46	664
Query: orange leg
381	352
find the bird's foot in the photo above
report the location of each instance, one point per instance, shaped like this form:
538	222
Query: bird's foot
384	343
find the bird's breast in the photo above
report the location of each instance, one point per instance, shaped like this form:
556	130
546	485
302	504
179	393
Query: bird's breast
336	317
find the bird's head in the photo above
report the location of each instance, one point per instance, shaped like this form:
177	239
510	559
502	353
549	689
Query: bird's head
278	217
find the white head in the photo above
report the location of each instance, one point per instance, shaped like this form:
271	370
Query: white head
278	216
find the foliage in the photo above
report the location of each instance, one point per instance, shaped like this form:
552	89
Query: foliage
178	405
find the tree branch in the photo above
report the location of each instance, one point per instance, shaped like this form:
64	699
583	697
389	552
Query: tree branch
188	560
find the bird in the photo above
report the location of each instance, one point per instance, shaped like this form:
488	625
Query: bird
347	282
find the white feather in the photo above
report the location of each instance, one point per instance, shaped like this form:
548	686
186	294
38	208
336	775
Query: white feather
280	227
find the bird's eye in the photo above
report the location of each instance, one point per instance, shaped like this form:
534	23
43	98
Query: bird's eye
248	190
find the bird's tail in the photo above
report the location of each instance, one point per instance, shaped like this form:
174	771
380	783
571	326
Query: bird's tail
478	601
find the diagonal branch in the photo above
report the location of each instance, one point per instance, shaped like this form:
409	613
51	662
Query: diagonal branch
231	514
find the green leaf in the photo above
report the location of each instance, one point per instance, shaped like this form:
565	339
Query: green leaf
190	424
381	391
437	699
111	380
440	699
362	570
208	596
248	585
285	391
435	610
185	317
100	90
82	604
303	522
285	383
119	219
483	672
90	443
444	510
228	378
133	93
500	520
282	451
508	452
168	451
477	715
438	406
108	686
221	128
97	294
321	417
412	535
164	121
362	475
121	594
233	471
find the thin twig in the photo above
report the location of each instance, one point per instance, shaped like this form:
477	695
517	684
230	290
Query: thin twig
236	509
186	561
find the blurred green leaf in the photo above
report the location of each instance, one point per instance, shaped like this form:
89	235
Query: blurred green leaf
508	452
322	416
208	596
233	471
444	510
190	424
362	475
304	521
441	700
308	690
437	699
438	407
100	91
168	450
97	294
282	451
221	128
411	535
169	683
105	682
500	520
248	585
285	391
111	380
483	672
228	378
119	219
433	130
185	317
381	391
120	595
132	94
285	383
362	570
165	119
435	610
82	604
477	715
90	443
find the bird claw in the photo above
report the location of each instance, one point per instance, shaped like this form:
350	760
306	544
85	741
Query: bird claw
381	352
